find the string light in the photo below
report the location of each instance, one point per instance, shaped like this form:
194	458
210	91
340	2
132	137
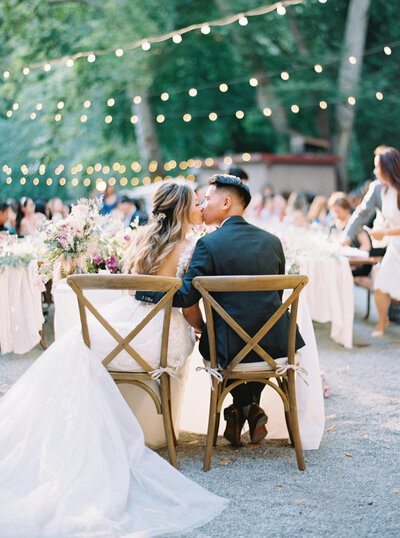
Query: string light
253	82
323	105
6	75
57	117
209	161
239	114
42	169
108	119
192	92
213	116
246	157
32	115
379	96
318	68
352	60
60	105
176	35
223	87
86	104
15	106
134	119
22	180
164	96
228	160
84	118
351	100
285	75
387	51
295	109
26	70
111	102
137	99
9	113
280	9
267	111
187	117
39	106
160	118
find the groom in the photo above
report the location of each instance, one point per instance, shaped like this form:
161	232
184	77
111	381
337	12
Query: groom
236	248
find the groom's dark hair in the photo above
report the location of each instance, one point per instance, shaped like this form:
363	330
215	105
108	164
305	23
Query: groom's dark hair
232	183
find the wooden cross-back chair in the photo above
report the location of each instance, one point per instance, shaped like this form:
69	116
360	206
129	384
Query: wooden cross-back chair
264	371
162	401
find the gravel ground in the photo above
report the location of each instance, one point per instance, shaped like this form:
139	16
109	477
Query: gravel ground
351	484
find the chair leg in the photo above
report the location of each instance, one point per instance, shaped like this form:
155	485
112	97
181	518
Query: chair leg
211	426
295	421
216	428
287	413
167	418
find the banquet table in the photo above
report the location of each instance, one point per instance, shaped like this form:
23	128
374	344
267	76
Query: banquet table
21	316
330	294
190	396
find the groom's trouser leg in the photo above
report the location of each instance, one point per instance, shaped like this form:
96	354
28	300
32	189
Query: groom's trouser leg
246	393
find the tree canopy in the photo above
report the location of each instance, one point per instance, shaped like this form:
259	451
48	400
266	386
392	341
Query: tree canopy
60	123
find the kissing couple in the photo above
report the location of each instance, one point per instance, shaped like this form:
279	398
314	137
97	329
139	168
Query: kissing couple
72	456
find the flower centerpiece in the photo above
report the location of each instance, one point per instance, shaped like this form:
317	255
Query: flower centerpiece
17	254
83	242
69	243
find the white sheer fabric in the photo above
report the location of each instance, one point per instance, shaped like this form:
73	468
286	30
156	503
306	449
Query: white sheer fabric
72	456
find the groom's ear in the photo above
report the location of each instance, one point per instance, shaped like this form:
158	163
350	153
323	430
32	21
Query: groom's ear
227	202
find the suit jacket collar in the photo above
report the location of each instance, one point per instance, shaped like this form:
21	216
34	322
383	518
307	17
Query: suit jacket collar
236	219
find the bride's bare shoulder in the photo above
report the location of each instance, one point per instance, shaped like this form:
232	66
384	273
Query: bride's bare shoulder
170	264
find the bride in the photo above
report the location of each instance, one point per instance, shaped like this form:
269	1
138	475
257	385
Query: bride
72	456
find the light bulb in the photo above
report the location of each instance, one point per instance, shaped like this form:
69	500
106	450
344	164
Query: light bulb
205	29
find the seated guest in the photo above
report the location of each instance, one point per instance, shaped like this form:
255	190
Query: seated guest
41	208
129	212
318	210
341	212
110	200
27	220
56	208
238	172
296	211
4	217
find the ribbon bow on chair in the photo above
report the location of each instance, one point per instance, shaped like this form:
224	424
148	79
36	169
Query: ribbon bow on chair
173	372
212	372
301	372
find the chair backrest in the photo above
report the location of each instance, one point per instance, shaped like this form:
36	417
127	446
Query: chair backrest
79	283
207	285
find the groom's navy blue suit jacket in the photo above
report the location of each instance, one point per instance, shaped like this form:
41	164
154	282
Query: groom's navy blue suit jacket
237	248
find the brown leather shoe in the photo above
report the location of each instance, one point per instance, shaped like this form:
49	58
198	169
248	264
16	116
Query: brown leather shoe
257	420
234	424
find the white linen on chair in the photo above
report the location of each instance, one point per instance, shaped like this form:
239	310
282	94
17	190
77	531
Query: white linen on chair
21	316
330	294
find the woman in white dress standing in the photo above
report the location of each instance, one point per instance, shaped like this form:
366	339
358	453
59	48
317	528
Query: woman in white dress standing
387	281
72	456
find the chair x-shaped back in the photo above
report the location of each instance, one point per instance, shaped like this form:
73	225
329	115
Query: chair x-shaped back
169	286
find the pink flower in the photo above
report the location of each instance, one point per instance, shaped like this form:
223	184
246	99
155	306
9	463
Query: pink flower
97	260
127	237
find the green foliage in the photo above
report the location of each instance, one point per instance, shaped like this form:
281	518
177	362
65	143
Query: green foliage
33	31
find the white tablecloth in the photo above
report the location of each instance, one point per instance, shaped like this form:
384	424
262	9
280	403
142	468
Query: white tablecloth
310	402
190	400
21	316
330	294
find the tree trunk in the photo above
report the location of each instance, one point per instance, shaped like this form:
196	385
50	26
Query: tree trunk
146	135
349	76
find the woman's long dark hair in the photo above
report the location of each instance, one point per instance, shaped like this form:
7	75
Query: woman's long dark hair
389	160
20	214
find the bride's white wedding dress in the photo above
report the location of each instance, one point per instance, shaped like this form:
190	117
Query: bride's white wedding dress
72	456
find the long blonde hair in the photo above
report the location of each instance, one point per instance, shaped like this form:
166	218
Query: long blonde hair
168	225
